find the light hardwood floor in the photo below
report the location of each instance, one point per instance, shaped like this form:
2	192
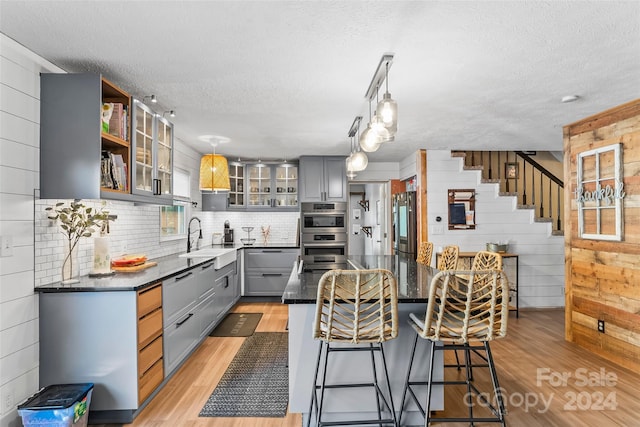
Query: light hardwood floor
530	362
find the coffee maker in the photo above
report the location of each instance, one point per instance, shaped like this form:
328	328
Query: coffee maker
228	234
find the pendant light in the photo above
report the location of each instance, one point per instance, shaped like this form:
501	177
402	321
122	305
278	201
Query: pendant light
214	172
387	109
357	160
369	139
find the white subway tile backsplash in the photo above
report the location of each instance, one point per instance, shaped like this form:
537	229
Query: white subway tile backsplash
137	230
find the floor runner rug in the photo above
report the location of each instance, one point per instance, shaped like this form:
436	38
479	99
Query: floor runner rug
256	383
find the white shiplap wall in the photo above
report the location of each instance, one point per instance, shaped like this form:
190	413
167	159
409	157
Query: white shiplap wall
19	167
541	255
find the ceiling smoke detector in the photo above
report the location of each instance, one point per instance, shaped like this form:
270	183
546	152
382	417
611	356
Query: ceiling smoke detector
569	98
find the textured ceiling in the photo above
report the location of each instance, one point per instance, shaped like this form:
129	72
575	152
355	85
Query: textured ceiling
287	78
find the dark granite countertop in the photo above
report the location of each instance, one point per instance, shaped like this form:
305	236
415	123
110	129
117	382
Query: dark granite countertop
413	279
168	266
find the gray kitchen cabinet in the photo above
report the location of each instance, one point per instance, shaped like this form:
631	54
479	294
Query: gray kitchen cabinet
266	270
226	289
72	142
79	159
323	179
152	149
113	339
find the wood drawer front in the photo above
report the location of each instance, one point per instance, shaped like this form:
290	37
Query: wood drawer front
149	355
149	299
149	327
149	381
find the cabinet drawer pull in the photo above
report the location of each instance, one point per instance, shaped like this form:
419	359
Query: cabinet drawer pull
184	276
226	282
183	321
271	274
204	267
271	251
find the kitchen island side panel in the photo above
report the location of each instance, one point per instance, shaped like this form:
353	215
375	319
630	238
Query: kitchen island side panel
354	367
91	337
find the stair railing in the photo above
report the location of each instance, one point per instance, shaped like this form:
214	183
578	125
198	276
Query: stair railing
535	186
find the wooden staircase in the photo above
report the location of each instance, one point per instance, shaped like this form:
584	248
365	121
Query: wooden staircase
520	175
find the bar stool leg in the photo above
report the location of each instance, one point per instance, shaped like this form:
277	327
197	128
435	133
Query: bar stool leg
314	398
324	379
496	385
386	377
467	360
406	383
427	407
375	381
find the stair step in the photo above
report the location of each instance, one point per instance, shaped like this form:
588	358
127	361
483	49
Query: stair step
490	181
458	154
473	168
526	206
538	219
557	233
508	194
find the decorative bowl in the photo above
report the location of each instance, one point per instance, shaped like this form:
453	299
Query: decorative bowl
496	247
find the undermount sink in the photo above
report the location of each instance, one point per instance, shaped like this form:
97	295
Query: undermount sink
223	256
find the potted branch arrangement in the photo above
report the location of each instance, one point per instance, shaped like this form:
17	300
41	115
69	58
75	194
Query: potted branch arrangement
76	221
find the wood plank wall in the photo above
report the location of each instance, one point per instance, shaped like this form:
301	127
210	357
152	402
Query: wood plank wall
603	277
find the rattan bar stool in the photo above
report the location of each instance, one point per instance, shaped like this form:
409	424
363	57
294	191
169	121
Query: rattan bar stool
355	307
449	258
425	253
466	309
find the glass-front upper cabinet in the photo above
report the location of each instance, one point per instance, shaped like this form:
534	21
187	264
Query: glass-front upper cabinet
272	186
259	190
286	194
164	171
236	180
152	147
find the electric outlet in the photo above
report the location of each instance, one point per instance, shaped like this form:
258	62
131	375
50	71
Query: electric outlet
601	326
8	401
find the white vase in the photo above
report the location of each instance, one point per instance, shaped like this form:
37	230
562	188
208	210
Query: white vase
101	256
70	265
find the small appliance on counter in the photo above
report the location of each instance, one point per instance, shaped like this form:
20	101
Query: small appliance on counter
228	234
216	239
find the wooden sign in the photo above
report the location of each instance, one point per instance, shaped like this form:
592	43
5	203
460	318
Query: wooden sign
599	193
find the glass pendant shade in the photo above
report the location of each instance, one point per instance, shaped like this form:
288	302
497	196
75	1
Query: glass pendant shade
388	113
359	161
351	174
349	165
369	140
214	173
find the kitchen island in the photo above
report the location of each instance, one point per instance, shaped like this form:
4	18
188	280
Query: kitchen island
300	295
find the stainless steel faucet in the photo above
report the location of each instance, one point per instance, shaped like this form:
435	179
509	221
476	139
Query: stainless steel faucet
189	232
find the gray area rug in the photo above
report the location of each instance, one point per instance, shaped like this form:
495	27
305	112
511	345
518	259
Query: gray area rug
256	383
237	325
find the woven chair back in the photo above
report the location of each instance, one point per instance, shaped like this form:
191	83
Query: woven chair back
425	253
448	258
485	260
467	306
356	306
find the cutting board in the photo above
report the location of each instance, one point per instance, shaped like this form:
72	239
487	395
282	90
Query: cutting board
134	268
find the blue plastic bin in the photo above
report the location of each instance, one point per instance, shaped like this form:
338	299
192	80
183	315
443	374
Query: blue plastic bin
61	405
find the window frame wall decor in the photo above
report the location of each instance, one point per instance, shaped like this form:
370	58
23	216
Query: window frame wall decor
595	201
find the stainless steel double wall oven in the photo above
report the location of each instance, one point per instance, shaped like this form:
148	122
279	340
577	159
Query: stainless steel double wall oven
324	235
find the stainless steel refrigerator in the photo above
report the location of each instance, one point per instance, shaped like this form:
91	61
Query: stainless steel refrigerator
404	224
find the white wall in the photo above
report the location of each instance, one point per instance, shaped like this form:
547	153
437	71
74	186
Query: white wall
19	167
541	255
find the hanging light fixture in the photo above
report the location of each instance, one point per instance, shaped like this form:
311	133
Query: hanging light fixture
214	170
387	109
358	160
369	140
